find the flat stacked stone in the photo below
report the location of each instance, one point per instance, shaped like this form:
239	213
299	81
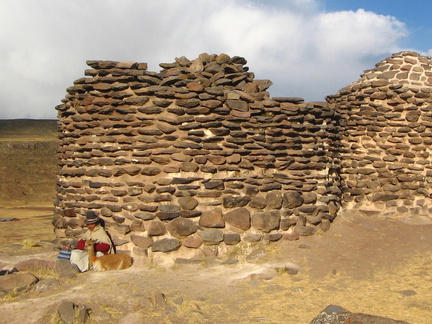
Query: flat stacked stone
195	155
386	117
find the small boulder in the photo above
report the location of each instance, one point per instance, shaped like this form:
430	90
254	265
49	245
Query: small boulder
18	281
35	264
334	314
66	269
70	312
46	284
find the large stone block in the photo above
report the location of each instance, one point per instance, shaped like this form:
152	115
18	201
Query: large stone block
212	218
181	227
211	236
266	221
239	218
166	245
292	199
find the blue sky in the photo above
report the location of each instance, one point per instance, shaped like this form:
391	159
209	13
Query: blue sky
307	48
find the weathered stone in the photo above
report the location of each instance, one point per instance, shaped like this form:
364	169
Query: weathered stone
235	201
325	225
273	237
193	241
132	170
258	203
119	193
166	245
169	208
190	213
237	105
211	236
252	237
266	221
150	171
231	238
181	227
156	228
216	159
383	197
65	269
286	223
214	184
35	264
187	203
274	200
137	226
292	199
145	215
309	197
66	312
46	284
336	314
189	167
212	218
17	281
141	241
239	218
118	219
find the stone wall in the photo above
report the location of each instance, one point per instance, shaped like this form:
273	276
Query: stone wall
198	158
194	159
387	118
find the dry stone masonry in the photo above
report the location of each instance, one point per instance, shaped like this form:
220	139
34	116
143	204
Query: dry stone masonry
386	118
198	158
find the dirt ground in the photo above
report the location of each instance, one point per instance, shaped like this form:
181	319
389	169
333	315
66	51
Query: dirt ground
376	266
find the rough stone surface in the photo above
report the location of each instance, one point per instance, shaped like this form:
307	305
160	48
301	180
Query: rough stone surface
65	269
35	264
338	315
193	241
18	281
212	218
181	227
202	139
165	245
239	218
46	284
211	236
71	313
266	221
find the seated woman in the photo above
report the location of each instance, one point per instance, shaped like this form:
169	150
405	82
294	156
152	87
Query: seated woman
79	255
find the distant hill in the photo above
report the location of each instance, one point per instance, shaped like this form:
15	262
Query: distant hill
28	162
28	129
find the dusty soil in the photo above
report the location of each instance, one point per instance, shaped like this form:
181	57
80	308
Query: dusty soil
376	266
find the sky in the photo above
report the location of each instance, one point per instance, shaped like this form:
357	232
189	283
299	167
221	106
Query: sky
307	48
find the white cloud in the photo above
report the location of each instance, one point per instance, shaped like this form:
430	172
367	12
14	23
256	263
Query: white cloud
305	52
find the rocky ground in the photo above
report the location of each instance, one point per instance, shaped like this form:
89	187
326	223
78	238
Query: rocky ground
366	265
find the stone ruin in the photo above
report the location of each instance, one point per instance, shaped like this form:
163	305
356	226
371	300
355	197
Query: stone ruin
198	158
386	122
